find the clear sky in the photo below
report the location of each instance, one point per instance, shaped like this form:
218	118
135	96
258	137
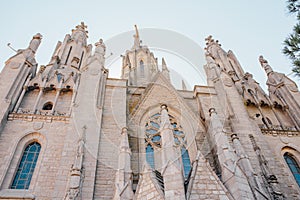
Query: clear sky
247	27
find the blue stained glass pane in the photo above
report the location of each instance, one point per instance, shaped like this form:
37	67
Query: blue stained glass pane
156	138
150	156
30	157
186	162
32	148
26	167
24	176
156	125
294	167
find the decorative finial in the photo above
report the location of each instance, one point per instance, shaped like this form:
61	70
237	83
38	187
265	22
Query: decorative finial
164	65
81	27
209	40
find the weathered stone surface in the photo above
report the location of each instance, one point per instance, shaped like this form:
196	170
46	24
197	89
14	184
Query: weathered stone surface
230	135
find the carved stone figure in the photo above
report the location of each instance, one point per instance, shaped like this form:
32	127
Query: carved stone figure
100	48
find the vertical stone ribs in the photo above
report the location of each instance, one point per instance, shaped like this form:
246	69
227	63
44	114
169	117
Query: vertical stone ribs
269	178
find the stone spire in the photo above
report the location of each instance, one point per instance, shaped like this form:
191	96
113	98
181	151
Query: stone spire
165	69
226	61
124	172
283	91
172	172
139	64
265	65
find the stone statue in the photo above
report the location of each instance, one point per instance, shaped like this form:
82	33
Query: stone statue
35	42
100	48
32	48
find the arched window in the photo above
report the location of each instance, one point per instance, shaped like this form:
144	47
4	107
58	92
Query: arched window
153	140
142	69
26	167
185	161
293	165
150	156
48	106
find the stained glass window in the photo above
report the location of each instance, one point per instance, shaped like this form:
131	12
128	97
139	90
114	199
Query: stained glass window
294	167
153	140
186	162
26	167
150	156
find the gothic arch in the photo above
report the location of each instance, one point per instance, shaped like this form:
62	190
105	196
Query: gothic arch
181	117
16	156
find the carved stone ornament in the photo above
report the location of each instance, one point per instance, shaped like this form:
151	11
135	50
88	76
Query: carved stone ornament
38	125
227	81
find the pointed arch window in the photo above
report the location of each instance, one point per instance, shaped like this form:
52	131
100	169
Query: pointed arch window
26	167
185	161
142	69
293	165
153	140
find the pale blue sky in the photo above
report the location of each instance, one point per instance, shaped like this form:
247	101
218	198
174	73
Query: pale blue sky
248	27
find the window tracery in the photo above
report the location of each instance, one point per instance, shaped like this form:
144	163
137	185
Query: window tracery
293	165
153	141
26	167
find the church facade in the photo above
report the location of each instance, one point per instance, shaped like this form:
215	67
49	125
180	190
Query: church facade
69	131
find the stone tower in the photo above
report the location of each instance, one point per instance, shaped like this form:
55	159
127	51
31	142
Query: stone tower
69	131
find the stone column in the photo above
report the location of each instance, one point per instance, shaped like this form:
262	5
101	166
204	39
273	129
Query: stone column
171	167
232	176
76	170
56	97
124	172
39	96
22	94
244	162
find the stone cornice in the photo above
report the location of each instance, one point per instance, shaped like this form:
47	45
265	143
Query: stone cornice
278	131
36	117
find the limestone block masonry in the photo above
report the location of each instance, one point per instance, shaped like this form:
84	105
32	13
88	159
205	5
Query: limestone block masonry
69	131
